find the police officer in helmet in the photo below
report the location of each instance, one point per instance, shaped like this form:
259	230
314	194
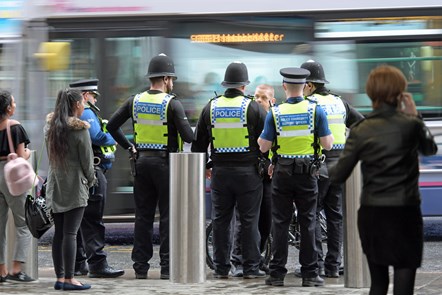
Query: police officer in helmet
231	124
341	115
297	127
91	239
160	125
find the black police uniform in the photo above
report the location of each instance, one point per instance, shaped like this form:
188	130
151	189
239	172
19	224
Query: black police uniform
293	182
92	230
330	200
151	182
330	195
235	181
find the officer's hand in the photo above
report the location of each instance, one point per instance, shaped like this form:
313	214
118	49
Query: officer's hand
270	170
208	173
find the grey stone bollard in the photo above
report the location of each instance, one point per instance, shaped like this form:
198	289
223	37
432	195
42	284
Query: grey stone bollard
31	263
187	218
355	263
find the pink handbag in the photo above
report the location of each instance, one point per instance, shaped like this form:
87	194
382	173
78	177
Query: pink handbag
19	174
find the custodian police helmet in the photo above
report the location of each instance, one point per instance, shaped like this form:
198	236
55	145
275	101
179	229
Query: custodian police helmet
294	75
88	85
161	66
316	72
236	75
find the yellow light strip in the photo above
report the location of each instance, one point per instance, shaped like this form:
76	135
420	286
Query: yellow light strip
237	38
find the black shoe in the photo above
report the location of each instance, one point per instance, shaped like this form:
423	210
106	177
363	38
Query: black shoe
19	277
3	279
313	282
220	275
106	272
71	287
264	268
141	276
298	273
58	285
254	275
274	281
331	273
164	276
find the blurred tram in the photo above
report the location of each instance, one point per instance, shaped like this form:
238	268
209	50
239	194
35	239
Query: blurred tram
114	42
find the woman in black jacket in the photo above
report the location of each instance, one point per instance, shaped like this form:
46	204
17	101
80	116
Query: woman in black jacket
387	143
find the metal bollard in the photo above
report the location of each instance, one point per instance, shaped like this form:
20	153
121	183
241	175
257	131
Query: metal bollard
355	263
31	263
187	218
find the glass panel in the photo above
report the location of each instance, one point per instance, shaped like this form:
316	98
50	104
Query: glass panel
203	50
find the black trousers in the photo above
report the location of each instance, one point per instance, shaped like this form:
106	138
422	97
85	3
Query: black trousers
302	189
330	200
151	188
240	186
264	224
92	230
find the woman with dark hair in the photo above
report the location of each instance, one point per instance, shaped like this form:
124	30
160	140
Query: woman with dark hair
70	175
7	201
387	143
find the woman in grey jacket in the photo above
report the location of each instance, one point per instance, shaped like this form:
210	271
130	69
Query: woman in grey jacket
387	143
70	175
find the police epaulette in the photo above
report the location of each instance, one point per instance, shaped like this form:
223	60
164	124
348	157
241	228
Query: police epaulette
250	96
215	97
311	99
173	95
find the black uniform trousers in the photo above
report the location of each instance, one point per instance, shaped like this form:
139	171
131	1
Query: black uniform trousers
302	189
151	188
240	186
264	223
330	200
92	230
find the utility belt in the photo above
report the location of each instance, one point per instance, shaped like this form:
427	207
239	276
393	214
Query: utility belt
301	165
153	153
99	159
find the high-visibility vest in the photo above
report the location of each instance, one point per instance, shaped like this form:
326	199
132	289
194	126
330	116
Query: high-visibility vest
295	125
336	114
150	120
229	124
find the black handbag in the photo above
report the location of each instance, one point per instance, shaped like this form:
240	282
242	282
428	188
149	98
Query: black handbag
38	216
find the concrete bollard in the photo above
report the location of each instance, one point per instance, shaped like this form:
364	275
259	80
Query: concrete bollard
355	263
187	218
31	263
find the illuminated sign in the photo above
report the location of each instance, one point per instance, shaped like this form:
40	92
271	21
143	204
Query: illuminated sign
236	38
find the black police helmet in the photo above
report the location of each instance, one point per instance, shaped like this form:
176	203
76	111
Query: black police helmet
316	72
161	66
236	75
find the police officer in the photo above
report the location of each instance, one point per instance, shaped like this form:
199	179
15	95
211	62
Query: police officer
297	127
159	123
340	116
92	230
265	96
231	124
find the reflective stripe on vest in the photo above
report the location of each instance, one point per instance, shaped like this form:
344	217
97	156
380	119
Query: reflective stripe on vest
150	120
336	114
228	117
294	127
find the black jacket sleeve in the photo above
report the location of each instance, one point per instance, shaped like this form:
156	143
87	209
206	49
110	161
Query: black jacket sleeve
117	120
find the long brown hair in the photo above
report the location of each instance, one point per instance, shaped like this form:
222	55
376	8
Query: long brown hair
385	84
58	126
